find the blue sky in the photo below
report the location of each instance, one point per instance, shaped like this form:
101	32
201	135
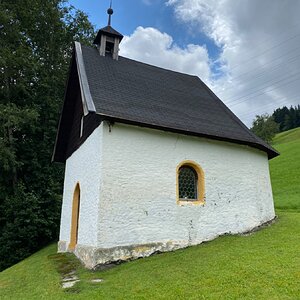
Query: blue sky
129	14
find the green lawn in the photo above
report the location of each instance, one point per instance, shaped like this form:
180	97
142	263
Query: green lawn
287	136
285	170
264	265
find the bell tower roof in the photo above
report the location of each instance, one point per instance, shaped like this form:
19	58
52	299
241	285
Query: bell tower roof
108	31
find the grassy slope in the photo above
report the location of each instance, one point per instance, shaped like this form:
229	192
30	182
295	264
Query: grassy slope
285	170
265	265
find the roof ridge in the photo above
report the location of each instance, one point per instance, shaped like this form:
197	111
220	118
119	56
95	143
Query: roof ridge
147	64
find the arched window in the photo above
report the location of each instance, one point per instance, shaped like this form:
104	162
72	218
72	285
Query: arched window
190	183
187	180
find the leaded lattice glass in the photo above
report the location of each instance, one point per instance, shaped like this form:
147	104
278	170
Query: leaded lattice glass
187	180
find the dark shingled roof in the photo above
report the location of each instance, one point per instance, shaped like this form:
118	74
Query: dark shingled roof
154	97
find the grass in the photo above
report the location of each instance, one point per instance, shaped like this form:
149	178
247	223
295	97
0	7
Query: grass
264	265
287	136
285	170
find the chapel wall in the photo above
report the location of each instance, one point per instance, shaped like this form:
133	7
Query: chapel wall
83	167
138	192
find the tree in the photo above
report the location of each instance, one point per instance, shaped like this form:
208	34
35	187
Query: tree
36	40
279	116
287	118
265	127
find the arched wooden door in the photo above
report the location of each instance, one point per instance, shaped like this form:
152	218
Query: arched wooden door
75	217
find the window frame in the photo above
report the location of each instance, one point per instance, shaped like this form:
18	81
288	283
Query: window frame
200	184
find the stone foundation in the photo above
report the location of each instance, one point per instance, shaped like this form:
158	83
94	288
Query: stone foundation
92	257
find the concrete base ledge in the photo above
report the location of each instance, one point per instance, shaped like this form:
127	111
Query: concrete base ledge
92	257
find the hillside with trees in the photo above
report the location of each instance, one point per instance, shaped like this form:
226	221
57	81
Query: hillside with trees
287	118
266	126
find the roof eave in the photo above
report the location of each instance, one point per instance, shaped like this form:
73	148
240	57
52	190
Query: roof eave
270	151
88	103
87	100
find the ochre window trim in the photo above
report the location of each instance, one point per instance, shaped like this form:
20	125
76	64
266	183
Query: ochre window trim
200	183
81	126
75	217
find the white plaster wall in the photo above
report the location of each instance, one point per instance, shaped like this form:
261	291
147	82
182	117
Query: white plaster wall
138	190
83	166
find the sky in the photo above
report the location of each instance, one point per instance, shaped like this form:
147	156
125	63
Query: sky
246	51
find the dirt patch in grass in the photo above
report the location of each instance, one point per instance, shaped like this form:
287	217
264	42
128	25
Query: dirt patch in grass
64	263
4	284
67	265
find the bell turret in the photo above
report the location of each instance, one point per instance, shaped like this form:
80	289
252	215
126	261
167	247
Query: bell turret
108	39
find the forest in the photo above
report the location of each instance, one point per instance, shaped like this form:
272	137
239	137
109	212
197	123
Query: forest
35	50
287	118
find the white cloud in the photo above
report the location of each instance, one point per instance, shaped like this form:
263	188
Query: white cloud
154	47
260	43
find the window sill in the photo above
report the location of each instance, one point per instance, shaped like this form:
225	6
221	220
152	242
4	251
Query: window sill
182	202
